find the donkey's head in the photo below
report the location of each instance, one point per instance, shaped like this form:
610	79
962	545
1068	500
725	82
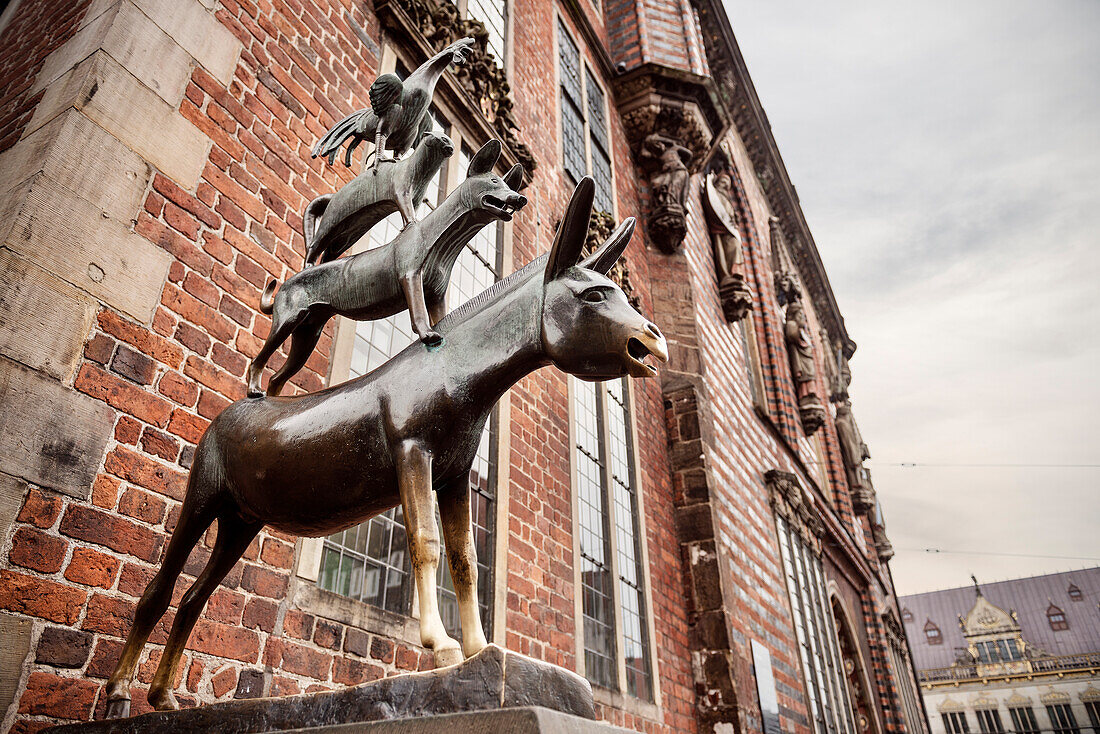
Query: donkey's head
487	195
589	329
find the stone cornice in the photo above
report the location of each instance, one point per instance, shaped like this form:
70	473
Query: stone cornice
738	95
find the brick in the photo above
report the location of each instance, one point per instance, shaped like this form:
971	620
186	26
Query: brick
202	289
109	615
178	388
186	426
277	553
297	659
298	624
228	360
351	672
407	658
357	642
197	312
214	378
225	641
56	696
99	349
31	548
264	582
159	444
63	648
141	338
210	404
224	682
133	365
105	491
260	614
127	430
40	598
143	506
40	508
92	568
94	526
127	464
382	649
225	606
123	395
193	339
250	684
328	634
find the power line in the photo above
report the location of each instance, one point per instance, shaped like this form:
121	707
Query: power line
991	553
919	464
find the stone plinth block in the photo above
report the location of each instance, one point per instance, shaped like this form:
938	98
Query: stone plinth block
528	720
493	679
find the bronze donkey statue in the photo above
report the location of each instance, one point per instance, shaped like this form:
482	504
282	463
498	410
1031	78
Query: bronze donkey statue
411	272
370	197
318	463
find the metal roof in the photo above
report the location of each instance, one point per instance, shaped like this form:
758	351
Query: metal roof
1028	597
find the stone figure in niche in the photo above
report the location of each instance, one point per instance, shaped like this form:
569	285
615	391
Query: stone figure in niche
729	256
315	464
412	272
800	353
855	452
667	161
334	222
398	114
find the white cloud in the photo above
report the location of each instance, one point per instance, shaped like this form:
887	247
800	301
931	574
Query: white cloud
947	156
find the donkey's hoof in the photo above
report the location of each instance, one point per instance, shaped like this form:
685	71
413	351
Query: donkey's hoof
432	339
117	708
447	656
164	701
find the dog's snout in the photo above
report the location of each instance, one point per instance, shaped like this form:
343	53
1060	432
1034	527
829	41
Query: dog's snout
519	200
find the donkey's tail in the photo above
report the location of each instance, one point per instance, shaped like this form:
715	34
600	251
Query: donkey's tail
267	298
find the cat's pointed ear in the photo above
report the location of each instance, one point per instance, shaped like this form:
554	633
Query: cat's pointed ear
484	160
514	177
571	234
604	258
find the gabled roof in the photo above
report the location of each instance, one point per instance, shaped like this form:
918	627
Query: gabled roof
1028	597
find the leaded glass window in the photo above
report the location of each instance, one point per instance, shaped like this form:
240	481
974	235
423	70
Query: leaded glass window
586	148
989	721
815	632
955	722
370	562
609	532
1023	720
1062	719
494	15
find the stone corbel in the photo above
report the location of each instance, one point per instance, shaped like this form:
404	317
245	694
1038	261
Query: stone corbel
793	503
670	119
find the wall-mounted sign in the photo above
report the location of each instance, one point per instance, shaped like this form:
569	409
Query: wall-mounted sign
765	688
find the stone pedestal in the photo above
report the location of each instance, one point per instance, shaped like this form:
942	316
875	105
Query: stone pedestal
492	680
527	720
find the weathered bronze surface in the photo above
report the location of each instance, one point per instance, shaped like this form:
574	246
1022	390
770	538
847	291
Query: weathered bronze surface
370	197
398	114
491	680
318	463
412	272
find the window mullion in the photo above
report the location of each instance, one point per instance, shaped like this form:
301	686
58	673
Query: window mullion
602	400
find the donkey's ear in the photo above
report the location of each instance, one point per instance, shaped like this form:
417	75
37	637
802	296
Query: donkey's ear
569	240
602	259
514	177
484	160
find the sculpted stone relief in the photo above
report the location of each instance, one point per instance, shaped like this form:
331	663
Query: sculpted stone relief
800	354
725	232
667	161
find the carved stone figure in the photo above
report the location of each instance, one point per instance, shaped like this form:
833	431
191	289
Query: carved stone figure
410	272
800	354
667	160
398	114
729	257
855	452
316	464
370	197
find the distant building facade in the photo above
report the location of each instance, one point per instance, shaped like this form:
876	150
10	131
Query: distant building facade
1013	656
705	547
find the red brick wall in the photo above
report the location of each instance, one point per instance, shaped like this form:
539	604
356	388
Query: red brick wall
36	28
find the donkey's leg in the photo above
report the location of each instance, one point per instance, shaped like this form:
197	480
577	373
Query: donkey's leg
414	472
302	343
234	535
437	310
281	329
454	513
413	287
196	514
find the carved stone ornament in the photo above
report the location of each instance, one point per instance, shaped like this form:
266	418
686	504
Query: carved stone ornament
669	117
795	505
725	234
854	452
486	83
883	546
800	354
600	227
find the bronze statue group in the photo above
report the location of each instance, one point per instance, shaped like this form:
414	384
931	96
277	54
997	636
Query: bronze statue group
317	463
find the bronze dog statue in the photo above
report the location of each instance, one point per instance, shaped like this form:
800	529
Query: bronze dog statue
318	463
370	197
411	272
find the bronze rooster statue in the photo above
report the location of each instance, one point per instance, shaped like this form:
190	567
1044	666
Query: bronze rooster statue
398	114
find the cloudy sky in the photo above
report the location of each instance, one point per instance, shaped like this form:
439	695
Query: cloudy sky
947	156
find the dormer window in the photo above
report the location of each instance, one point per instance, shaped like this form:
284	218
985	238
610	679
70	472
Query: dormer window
932	633
906	615
1074	592
1057	619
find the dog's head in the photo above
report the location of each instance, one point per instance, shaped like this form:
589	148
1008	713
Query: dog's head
488	195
